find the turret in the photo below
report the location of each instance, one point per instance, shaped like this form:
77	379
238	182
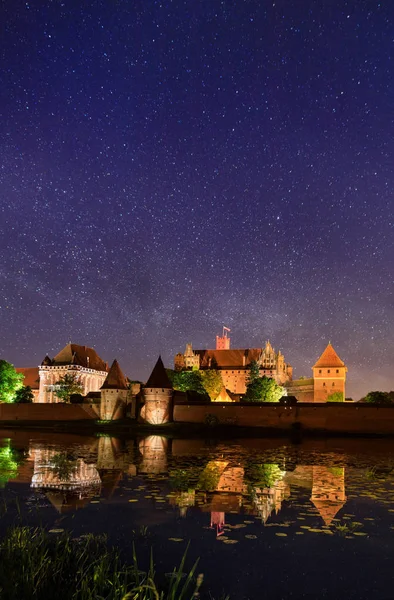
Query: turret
223	342
158	396
114	394
329	374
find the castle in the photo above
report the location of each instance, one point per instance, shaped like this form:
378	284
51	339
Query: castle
234	364
329	372
112	393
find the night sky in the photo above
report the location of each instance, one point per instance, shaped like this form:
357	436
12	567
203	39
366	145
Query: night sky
171	167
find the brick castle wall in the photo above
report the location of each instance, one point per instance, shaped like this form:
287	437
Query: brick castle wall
345	418
47	412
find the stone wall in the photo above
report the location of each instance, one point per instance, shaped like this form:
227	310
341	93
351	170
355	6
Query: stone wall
345	418
47	412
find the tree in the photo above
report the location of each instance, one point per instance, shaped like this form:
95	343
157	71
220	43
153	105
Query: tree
187	381
335	397
67	385
24	395
254	372
10	381
378	398
212	382
264	389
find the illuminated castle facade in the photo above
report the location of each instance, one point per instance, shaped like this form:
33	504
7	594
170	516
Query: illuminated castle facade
234	364
329	372
108	386
81	361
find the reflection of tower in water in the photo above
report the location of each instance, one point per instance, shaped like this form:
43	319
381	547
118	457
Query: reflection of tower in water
328	491
269	499
218	522
154	454
111	463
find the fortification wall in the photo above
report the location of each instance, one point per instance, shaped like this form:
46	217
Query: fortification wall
345	418
47	412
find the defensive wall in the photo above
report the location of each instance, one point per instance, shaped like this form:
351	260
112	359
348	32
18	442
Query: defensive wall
336	417
48	412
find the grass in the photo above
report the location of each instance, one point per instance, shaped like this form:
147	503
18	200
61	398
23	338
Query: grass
35	564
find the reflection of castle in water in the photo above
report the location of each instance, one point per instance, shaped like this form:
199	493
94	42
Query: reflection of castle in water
54	470
223	486
269	500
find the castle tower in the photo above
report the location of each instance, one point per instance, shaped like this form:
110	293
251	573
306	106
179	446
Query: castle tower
114	394
223	343
158	396
329	374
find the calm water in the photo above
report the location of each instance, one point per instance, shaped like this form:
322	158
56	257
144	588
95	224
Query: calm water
268	519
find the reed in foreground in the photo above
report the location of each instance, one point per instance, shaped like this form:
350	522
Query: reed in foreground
37	565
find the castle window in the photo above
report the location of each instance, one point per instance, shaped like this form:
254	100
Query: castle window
337	370
320	371
333	384
328	371
324	385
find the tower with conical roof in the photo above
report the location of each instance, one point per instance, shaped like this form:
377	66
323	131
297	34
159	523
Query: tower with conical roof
114	394
158	396
329	374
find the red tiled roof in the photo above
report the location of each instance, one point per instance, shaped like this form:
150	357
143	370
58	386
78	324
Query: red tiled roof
31	376
115	378
73	354
229	358
329	358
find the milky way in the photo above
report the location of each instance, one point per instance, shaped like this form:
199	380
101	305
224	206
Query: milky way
171	167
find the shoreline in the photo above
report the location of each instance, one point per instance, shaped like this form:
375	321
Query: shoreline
126	427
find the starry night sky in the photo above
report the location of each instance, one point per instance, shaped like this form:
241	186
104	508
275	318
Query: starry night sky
170	167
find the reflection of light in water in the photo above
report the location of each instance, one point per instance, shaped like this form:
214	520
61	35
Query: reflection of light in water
8	464
184	500
218	522
66	501
154	454
328	491
109	453
77	473
267	500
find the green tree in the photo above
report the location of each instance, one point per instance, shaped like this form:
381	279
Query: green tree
186	381
67	385
24	395
335	397
10	381
264	389
378	398
212	382
253	372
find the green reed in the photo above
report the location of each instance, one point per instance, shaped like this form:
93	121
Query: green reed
38	565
